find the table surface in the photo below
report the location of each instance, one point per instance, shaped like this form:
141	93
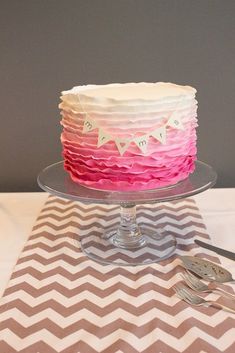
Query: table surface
19	211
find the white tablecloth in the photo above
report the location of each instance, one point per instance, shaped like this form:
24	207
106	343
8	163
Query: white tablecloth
18	213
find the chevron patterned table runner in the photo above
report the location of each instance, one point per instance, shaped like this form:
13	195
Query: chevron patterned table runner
58	300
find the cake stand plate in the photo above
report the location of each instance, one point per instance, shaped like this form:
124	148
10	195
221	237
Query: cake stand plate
128	244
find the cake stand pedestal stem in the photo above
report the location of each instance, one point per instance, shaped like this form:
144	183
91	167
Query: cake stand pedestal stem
128	235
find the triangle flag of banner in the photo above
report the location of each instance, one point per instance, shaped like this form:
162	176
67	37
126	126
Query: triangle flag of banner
88	125
122	145
175	122
160	134
142	142
103	137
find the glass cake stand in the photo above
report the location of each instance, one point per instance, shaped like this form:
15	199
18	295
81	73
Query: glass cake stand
128	243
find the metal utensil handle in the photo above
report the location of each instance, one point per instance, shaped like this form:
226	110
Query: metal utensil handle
221	306
228	254
223	293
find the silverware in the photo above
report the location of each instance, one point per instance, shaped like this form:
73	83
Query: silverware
206	269
193	299
229	254
198	286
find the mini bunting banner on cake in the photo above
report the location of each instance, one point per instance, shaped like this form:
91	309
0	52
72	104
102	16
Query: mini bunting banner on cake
122	144
89	125
175	122
103	137
142	142
160	134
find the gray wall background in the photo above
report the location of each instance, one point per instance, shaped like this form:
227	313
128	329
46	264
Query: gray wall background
47	46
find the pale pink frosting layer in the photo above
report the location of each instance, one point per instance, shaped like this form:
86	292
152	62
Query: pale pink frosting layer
105	168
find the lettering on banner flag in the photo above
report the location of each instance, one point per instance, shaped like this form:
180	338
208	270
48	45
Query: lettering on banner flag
122	145
175	122
103	137
89	125
160	134
142	142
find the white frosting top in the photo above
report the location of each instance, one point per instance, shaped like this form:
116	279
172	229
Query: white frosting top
130	92
136	105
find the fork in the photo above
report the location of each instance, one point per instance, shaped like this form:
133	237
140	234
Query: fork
185	294
197	285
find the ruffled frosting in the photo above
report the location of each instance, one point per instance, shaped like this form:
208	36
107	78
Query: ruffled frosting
127	111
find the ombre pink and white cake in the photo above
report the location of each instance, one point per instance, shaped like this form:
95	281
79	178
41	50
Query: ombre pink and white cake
130	136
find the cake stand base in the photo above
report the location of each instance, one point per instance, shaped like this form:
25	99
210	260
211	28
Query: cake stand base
103	249
129	244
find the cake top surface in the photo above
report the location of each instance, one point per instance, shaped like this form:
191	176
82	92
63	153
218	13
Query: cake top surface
145	91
